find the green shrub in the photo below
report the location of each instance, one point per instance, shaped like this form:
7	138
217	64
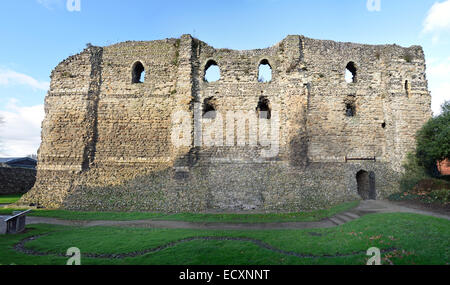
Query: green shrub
442	195
445	177
433	141
414	172
408	57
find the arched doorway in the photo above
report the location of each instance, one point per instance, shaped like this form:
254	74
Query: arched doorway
366	185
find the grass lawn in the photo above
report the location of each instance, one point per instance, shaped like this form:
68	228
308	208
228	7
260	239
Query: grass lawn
403	239
189	217
9	199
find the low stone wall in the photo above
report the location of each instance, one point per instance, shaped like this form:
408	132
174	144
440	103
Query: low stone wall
16	180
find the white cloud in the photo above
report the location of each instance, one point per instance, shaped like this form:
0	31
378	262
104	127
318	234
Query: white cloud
439	94
10	77
437	20
20	134
438	74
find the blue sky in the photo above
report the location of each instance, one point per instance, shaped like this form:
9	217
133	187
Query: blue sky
37	34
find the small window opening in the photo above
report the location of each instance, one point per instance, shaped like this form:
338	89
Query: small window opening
350	109
138	73
209	108
350	72
265	71
212	71
383	125
263	108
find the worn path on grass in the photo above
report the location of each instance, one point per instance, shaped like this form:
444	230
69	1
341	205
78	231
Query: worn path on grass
365	207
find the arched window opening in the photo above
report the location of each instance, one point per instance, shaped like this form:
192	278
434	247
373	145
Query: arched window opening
212	71
263	108
209	108
350	72
138	73
265	71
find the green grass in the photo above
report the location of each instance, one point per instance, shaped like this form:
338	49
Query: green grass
189	217
9	199
417	239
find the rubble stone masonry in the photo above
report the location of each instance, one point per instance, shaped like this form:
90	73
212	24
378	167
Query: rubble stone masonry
16	180
106	141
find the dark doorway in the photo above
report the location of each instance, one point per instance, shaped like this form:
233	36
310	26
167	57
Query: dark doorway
366	185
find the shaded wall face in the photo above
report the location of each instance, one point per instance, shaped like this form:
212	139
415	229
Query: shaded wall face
65	127
228	187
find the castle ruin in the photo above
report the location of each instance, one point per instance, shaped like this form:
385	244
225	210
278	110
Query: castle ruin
107	137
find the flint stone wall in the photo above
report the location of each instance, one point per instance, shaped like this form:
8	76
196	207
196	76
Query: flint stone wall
106	142
16	180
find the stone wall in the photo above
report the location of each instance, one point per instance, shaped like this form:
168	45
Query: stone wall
16	180
106	141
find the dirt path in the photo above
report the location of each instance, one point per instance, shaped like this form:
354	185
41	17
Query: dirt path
365	207
399	207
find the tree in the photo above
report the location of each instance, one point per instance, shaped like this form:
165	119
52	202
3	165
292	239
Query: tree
433	140
445	107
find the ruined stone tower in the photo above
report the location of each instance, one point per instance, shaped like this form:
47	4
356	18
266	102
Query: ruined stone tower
106	137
